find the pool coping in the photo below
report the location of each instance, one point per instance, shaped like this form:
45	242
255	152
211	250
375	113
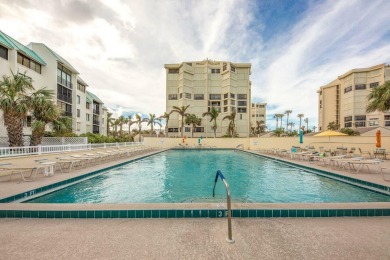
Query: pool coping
194	210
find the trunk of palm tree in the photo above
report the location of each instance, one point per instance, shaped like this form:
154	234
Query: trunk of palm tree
166	128
182	126
36	136
139	134
14	126
151	130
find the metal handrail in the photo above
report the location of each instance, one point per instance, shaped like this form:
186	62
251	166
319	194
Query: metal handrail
219	174
240	145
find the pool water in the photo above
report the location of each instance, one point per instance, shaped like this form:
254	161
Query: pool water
177	176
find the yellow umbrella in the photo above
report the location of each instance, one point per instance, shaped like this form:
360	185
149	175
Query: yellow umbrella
330	133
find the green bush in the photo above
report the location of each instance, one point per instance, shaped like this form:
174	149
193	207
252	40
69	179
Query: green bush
349	131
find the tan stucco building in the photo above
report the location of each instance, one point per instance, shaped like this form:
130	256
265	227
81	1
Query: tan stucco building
206	84
258	113
344	100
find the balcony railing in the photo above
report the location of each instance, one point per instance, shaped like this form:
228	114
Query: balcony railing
66	113
64	98
96	111
64	82
96	122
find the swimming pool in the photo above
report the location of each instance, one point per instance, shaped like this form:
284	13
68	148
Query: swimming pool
177	176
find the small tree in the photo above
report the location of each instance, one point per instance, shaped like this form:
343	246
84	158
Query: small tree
333	126
194	121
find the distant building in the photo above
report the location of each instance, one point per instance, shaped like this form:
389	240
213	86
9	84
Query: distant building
48	69
205	84
344	100
258	113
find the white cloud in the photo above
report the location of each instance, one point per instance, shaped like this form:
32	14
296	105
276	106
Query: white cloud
120	47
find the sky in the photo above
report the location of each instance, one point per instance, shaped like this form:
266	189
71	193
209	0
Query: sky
120	47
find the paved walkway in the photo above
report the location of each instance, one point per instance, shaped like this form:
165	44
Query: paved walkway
329	238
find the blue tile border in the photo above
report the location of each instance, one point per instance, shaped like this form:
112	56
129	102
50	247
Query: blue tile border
196	213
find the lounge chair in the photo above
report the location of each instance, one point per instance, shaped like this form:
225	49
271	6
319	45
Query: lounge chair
365	163
385	173
364	152
11	169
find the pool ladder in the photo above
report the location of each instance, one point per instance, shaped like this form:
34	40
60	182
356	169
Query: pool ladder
238	146
229	207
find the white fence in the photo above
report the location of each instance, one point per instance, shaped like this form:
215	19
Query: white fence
46	149
49	140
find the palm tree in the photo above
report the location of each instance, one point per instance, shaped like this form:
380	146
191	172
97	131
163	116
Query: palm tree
121	121
379	98
62	126
15	103
300	120
306	120
44	111
287	112
139	120
213	118
314	129
130	122
281	120
277	120
116	124
194	121
166	117
232	126
291	124
152	121
181	111
259	127
109	122
277	116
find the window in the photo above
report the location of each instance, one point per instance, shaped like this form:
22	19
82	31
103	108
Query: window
232	68
80	87
87	116
173	130
225	109
27	62
173	71
172	97
232	95
232	109
387	123
225	102
215	71
189	64
180	95
187	129
232	102
64	94
188	95
254	115
348	89
87	105
241	110
261	106
215	103
348	118
360	118
3	52
374	84
64	76
198	129
360	86
198	96
78	126
348	124
226	95
27	122
66	109
241	96
224	67
78	112
215	96
374	123
360	124
253	105
387	117
241	103
78	99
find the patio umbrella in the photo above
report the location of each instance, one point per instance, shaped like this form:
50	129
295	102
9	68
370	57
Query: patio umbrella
330	133
378	139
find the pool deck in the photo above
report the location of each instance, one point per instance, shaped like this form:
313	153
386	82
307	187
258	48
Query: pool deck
190	238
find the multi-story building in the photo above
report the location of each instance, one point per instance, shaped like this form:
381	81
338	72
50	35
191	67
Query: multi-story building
48	69
344	100
258	113
205	84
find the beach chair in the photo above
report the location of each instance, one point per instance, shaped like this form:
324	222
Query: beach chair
364	152
10	169
385	173
366	163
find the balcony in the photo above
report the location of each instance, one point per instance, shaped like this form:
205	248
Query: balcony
66	113
95	130
96	122
96	111
64	98
64	82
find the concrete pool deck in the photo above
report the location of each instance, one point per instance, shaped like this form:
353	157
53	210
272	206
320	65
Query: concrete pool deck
190	238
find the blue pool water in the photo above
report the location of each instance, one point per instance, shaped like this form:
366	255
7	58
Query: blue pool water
188	176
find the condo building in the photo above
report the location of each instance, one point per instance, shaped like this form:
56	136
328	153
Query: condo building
206	84
344	100
258	113
46	68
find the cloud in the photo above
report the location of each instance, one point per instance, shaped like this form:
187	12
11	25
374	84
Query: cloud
120	48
